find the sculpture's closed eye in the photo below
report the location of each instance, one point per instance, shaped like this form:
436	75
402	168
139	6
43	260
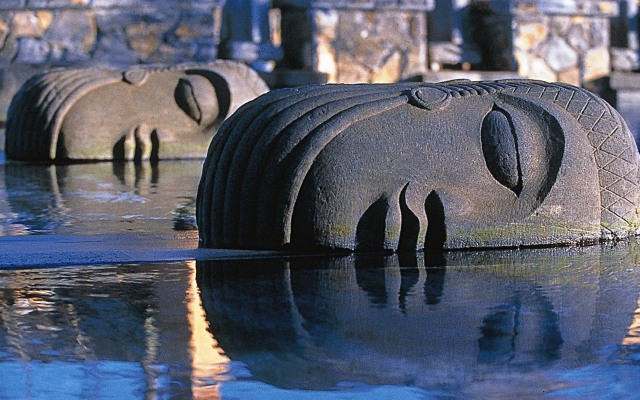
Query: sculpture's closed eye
197	98
500	149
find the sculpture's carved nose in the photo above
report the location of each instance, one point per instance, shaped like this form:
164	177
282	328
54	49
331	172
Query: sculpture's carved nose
140	144
397	224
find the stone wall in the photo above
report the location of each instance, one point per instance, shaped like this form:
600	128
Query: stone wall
357	41
111	32
567	41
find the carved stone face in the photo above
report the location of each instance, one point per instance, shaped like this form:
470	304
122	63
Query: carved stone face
454	165
141	113
163	115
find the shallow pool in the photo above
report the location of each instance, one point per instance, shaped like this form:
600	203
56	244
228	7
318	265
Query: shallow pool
539	323
513	324
98	197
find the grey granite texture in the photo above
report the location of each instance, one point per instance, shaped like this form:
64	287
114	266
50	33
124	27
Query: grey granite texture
144	112
453	165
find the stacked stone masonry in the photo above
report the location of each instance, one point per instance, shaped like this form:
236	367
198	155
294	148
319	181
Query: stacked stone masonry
359	41
569	44
356	45
568	41
565	41
114	32
349	40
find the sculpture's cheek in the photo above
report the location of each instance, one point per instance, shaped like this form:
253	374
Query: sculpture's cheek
557	192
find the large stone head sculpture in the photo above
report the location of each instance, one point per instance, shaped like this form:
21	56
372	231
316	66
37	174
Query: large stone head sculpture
143	112
404	166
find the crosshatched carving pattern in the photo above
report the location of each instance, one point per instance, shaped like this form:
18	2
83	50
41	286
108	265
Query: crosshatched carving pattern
614	153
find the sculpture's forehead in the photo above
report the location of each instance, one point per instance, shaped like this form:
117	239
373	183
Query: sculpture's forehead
437	97
154	82
156	97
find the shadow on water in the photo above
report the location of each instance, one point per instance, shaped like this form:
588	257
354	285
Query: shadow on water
98	197
445	322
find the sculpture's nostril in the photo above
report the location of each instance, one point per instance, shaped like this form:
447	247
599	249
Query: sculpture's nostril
410	225
436	229
431	224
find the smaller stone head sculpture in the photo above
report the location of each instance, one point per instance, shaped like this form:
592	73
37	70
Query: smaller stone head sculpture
145	112
458	164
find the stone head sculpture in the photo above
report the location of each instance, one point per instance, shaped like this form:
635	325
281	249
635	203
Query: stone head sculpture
141	113
458	164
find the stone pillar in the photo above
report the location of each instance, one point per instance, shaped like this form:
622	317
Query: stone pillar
245	34
624	37
566	41
451	31
360	40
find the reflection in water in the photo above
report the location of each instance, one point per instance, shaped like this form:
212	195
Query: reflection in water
502	330
451	324
372	275
633	333
106	332
98	197
207	360
36	190
499	325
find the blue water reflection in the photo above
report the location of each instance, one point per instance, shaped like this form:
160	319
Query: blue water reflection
105	332
558	323
57	380
483	325
98	197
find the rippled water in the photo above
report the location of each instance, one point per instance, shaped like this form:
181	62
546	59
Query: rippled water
545	323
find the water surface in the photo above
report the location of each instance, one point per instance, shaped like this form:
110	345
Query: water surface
98	197
508	324
546	323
